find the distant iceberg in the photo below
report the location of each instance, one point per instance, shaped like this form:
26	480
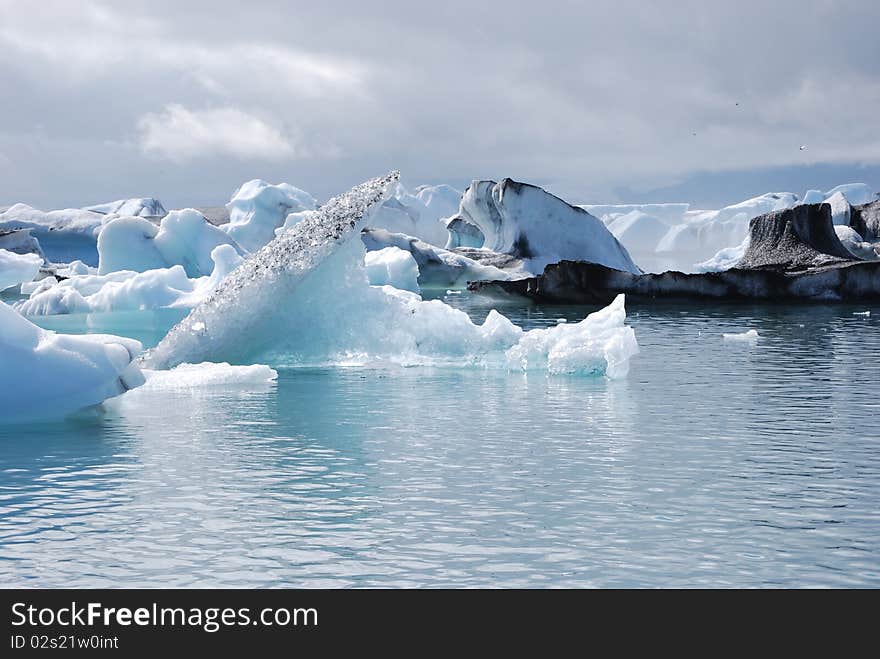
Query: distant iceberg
529	223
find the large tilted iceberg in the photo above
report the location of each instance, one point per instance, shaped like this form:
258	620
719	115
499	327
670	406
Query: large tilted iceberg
48	375
304	299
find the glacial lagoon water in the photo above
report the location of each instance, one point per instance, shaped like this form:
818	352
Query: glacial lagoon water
714	463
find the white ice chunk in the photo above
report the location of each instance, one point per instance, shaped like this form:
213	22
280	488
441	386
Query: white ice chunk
441	268
855	193
750	336
304	300
128	243
126	290
392	266
138	207
16	269
44	375
839	209
527	222
421	215
258	208
725	259
183	238
854	243
207	374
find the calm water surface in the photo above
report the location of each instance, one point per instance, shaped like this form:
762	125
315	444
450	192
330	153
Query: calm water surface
712	464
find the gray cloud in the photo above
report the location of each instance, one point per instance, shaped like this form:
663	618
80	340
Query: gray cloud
593	100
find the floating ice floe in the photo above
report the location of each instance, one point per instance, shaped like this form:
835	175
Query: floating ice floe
529	223
16	269
748	337
126	290
862	313
304	299
421	215
138	207
392	266
204	375
45	375
440	268
258	208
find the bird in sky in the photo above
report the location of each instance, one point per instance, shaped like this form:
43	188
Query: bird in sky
803	146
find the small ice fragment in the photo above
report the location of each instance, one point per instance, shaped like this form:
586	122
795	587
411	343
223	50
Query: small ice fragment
206	374
750	336
861	313
561	320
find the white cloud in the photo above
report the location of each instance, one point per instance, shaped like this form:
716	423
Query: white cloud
180	134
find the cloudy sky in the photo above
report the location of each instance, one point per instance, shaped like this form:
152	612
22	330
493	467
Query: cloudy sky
703	101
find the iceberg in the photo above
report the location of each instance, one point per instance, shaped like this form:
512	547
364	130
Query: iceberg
64	235
529	223
750	336
855	244
440	268
21	242
44	375
126	290
201	376
16	269
392	266
139	207
258	208
855	193
304	300
669	214
184	237
701	235
421	215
